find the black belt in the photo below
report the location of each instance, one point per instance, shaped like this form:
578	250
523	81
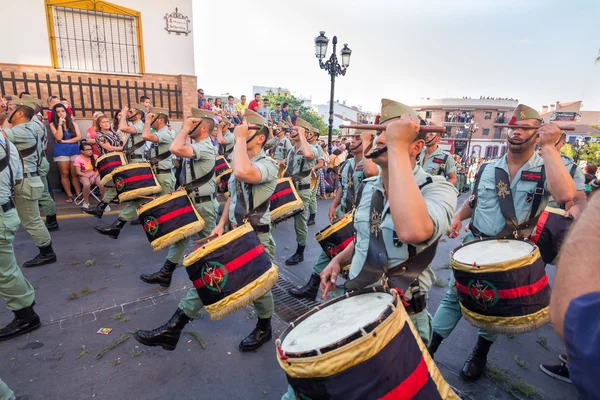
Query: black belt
262	228
31	174
136	157
203	199
304	186
6	207
477	232
162	171
415	306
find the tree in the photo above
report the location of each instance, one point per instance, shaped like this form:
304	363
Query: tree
304	112
568	151
590	153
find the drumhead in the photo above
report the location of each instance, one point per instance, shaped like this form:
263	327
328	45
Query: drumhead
335	322
492	251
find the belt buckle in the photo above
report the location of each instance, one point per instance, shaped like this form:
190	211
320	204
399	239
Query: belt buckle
539	191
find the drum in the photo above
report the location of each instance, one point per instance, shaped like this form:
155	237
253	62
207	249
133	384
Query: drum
135	180
107	163
169	219
285	202
230	271
550	233
337	236
359	346
313	180
281	172
502	285
222	173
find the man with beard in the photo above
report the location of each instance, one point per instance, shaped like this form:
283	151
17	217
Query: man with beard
529	180
320	157
436	161
353	172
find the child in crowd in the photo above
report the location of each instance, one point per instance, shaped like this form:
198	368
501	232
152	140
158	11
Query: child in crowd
85	165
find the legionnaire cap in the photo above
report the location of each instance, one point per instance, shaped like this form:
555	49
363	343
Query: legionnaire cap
159	110
303	124
201	113
525	112
138	107
30	97
24	102
316	131
255	119
392	109
282	125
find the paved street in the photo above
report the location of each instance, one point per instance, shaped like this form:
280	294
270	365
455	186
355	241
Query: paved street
95	284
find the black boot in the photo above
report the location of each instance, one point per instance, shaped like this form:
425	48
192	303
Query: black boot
436	340
26	320
475	364
46	256
311	219
297	257
51	223
162	277
136	221
113	230
98	211
167	335
308	291
259	336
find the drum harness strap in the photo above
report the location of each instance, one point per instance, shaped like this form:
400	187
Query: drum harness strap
29	151
403	275
5	162
254	215
195	184
300	175
134	147
440	161
350	199
158	158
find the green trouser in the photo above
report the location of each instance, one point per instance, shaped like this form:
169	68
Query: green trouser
323	260
192	305
5	392
109	195
27	195
312	204
166	181
46	203
16	291
301	218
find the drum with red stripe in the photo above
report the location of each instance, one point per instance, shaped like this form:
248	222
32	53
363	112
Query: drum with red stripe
107	163
285	202
502	285
359	346
230	271
222	173
133	181
550	233
337	236
169	219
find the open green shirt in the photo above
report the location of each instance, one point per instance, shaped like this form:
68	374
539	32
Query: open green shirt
202	162
432	167
14	164
164	143
301	164
281	147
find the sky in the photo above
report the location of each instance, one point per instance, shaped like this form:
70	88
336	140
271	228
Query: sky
537	51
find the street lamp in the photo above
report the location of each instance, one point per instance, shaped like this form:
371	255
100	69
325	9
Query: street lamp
333	68
580	144
471	128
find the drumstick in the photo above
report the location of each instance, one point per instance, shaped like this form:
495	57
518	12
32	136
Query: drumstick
562	128
146	197
372	127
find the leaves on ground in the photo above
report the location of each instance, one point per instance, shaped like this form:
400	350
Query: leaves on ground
84	351
108	347
445	266
84	292
117	265
89	263
522	387
197	338
55	358
542	341
116	361
135	353
521	363
440	283
516	387
74	262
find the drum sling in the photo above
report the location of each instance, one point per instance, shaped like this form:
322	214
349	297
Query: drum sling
158	158
350	191
4	163
134	147
253	215
197	183
296	178
32	150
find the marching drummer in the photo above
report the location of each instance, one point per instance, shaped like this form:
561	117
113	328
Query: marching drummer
421	206
225	139
300	161
354	171
320	158
508	196
436	161
280	143
162	162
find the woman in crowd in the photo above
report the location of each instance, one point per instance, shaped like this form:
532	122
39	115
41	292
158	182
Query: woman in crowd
85	164
90	136
115	126
66	137
107	139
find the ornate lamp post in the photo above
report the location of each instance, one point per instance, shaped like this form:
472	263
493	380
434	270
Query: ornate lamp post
471	128
333	68
579	145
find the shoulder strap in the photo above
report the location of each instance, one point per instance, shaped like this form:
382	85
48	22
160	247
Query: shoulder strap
359	193
442	168
538	193
573	169
350	190
406	273
507	205
5	162
473	197
196	183
253	215
160	157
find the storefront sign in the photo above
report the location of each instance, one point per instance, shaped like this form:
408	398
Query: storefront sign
563	116
177	23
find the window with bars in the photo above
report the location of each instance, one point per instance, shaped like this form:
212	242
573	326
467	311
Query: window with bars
99	38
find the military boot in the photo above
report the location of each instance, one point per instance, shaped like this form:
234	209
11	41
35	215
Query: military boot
311	219
113	230
97	211
259	336
167	335
297	257
436	340
25	321
162	277
475	364
46	256
308	291
51	223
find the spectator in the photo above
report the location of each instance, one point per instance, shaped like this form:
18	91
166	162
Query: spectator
200	98
241	107
230	112
85	165
115	126
591	169
145	101
285	115
90	134
214	140
334	159
294	117
209	104
218	107
65	103
66	137
255	104
265	111
52	101
276	116
107	139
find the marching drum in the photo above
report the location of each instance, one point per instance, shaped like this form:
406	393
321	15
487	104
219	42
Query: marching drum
502	285
222	173
359	346
135	180
107	163
285	202
230	271
313	179
336	237
282	170
550	233
169	219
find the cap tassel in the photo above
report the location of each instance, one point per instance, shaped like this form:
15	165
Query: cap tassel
513	120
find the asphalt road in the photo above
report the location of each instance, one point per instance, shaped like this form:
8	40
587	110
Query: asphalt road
52	363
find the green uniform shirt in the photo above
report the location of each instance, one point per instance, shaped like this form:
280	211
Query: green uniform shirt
202	162
261	191
440	197
578	177
319	153
164	143
226	148
357	175
432	164
300	164
136	138
14	164
487	216
23	136
281	147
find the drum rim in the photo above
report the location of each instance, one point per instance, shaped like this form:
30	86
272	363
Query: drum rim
340	343
201	252
160	200
343	221
112	154
499	266
127	167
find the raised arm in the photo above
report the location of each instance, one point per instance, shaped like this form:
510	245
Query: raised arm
123	125
559	182
179	146
147	130
369	167
243	169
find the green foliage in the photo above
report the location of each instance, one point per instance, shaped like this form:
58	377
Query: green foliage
590	153
568	151
305	113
